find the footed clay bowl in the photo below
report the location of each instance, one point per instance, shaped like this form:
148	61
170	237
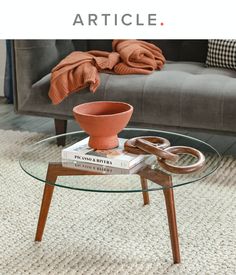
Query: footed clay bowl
103	120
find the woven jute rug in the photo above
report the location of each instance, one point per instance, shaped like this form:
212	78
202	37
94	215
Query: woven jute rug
100	233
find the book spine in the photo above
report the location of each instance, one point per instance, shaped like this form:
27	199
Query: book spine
95	160
95	168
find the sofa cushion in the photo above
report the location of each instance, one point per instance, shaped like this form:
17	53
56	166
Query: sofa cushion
222	53
185	94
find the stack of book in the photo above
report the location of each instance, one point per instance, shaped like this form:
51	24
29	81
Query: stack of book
81	156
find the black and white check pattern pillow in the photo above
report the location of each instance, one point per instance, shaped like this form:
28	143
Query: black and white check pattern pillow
221	53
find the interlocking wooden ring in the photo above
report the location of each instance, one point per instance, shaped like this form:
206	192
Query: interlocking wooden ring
183	169
150	148
158	142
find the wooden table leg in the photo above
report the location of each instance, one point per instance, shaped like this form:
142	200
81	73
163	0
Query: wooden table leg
55	169
145	194
170	207
47	197
165	180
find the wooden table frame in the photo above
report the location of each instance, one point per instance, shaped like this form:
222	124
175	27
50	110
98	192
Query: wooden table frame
56	169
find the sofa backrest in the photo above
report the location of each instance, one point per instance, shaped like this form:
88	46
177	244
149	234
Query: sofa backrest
33	59
175	50
183	50
40	56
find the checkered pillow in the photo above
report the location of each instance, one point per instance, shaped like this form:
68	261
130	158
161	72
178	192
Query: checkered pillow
221	53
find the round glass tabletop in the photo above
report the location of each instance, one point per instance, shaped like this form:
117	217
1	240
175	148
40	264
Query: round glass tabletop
44	158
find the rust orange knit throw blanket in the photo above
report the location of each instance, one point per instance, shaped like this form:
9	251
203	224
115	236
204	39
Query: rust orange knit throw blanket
137	57
81	69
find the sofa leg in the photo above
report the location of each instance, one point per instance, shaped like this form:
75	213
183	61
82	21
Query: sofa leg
60	128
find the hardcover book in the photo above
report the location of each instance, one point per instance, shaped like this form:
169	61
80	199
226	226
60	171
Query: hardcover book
101	169
116	157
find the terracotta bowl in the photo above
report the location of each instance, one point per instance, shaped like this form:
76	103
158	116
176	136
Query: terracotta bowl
103	120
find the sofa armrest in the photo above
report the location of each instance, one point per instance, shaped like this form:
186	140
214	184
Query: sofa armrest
32	59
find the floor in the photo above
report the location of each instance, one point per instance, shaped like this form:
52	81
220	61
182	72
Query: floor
226	145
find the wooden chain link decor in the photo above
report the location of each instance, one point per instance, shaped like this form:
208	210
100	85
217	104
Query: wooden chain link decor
160	147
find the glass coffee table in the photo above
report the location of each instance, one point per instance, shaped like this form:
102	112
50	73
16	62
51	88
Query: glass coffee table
43	162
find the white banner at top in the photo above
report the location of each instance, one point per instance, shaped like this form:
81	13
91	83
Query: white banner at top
103	19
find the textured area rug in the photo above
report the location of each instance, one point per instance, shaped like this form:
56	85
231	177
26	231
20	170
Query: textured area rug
100	233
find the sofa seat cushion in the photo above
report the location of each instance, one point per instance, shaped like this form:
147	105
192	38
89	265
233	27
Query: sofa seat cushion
182	94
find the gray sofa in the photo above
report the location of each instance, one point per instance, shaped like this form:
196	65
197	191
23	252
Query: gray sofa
185	93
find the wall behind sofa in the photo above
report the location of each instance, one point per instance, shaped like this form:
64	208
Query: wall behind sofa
2	65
